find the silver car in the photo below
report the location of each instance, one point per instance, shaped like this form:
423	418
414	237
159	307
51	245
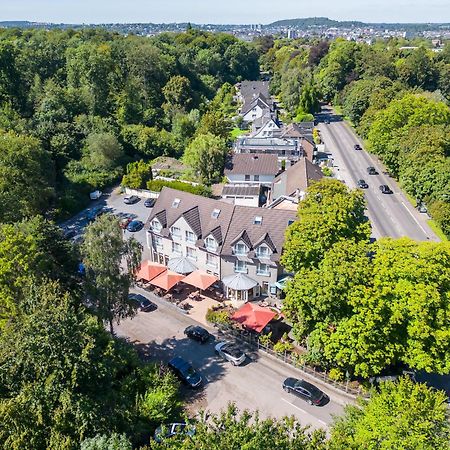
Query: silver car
230	352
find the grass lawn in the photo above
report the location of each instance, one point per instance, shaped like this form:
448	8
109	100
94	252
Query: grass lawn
236	132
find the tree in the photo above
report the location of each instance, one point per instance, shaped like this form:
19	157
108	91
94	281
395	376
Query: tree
177	92
329	213
309	99
107	284
104	150
402	415
206	155
214	122
107	442
138	174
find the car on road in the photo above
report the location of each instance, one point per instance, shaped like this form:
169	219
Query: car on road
185	372
230	352
357	147
150	202
69	233
362	184
131	199
307	391
135	225
123	223
172	429
197	333
385	189
142	303
421	207
372	171
326	121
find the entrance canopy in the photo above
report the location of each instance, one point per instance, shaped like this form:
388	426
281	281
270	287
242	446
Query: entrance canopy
167	280
253	316
200	279
239	282
149	270
181	265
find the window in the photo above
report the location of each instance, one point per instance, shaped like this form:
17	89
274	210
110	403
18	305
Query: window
176	248
247	177
215	213
158	242
265	288
211	244
257	220
262	252
211	260
263	269
176	232
256	178
156	226
240	249
190	237
240	267
176	202
290	222
191	253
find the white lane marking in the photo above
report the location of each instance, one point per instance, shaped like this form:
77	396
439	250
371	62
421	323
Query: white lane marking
412	215
305	412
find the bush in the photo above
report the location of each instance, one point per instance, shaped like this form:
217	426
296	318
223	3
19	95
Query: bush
157	185
327	171
336	374
138	174
283	345
440	211
316	136
218	317
265	339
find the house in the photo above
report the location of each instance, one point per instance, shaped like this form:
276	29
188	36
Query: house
256	108
255	168
265	126
249	90
294	181
240	245
242	194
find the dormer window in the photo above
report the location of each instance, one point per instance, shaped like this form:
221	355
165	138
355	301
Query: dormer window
240	249
176	203
210	244
156	226
263	251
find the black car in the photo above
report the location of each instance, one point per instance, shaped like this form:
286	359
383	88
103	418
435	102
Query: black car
357	147
131	199
362	184
385	189
149	202
307	391
197	333
135	225
185	372
142	303
372	171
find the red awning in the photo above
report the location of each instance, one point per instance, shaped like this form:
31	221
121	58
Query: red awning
200	279
167	280
253	316
149	270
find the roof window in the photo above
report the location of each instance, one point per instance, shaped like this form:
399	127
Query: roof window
257	220
215	213
176	203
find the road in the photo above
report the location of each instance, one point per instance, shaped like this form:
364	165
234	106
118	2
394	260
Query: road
390	215
158	335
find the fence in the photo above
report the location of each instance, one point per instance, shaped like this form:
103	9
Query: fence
286	357
142	193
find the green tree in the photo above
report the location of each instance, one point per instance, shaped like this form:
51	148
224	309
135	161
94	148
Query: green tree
214	122
107	442
177	92
329	213
107	284
104	151
139	173
206	155
309	99
402	415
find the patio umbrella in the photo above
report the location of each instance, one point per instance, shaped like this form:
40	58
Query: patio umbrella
239	282
253	316
167	280
181	265
200	279
149	270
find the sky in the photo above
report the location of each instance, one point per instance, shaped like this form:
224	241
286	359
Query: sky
222	11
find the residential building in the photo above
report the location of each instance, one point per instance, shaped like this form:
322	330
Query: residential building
258	107
265	126
243	194
245	168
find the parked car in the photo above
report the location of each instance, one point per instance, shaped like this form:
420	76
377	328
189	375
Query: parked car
357	147
421	207
372	171
185	372
95	212
135	225
172	429
385	189
307	391
362	184
150	202
69	233
197	333
326	121
230	352
142	303
95	195
123	223
131	199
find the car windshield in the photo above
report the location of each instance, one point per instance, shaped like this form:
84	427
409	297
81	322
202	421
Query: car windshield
232	351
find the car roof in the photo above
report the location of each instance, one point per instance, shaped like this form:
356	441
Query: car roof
178	362
314	390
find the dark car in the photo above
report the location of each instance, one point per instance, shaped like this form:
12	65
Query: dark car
131	199
372	171
172	429
197	333
95	212
185	372
135	225
326	121
69	233
385	189
142	303
149	202
422	208
357	147
307	391
362	184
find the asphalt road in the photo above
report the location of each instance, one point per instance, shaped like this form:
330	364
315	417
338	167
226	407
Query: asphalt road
390	214
158	335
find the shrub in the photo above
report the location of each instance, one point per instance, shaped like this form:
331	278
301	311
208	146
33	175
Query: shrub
336	374
157	185
218	317
265	339
327	171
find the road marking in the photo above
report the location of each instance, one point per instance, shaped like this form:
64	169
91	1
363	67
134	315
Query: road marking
305	412
412	215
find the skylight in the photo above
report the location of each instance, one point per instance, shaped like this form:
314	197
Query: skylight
215	213
258	220
176	203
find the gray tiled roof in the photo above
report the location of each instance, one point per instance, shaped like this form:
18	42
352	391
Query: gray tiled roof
251	164
260	101
241	189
